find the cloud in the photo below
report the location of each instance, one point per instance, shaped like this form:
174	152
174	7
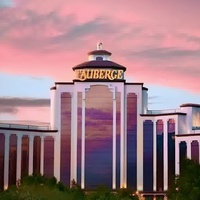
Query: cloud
21	110
23	102
7	109
151	38
11	105
165	53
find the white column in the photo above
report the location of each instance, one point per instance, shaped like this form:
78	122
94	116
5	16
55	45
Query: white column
165	155
122	141
140	154
30	162
114	140
83	143
154	155
19	156
57	138
177	156
165	198
6	160
74	125
188	149
42	155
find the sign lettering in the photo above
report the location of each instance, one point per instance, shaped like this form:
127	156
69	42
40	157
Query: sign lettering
107	74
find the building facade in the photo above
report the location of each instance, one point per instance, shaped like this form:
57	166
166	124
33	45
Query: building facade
102	133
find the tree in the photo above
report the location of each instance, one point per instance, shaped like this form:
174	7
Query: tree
187	184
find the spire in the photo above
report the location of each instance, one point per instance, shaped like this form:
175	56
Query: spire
99	46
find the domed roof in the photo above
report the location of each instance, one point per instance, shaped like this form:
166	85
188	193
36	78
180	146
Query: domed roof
99	58
99	64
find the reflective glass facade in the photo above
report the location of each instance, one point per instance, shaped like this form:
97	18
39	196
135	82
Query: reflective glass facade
159	154
171	151
12	159
36	155
132	140
48	156
183	152
148	155
98	137
195	150
25	155
65	137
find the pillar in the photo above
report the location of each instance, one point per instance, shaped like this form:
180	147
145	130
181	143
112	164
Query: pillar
122	142
30	162
19	156
83	143
6	160
114	140
154	156
188	149
177	156
42	156
165	155
74	124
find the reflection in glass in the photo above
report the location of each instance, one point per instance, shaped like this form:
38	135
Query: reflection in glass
48	156
195	151
25	155
2	146
36	155
159	156
183	152
65	137
171	151
98	137
132	140
148	155
12	159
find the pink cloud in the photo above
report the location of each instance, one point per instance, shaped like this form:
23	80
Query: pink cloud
150	38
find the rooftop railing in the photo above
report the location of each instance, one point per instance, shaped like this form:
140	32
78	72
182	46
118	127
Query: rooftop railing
22	126
163	111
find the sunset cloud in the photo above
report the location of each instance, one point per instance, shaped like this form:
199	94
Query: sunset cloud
158	41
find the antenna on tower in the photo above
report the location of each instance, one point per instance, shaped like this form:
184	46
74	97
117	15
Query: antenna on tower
99	46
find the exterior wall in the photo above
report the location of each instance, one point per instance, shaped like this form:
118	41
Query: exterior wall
144	101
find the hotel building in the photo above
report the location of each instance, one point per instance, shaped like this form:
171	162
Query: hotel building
102	132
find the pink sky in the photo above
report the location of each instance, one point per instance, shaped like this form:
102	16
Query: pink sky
158	41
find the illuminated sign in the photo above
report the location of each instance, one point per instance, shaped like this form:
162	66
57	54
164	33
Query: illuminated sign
99	74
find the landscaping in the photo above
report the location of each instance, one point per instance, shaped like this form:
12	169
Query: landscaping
38	187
